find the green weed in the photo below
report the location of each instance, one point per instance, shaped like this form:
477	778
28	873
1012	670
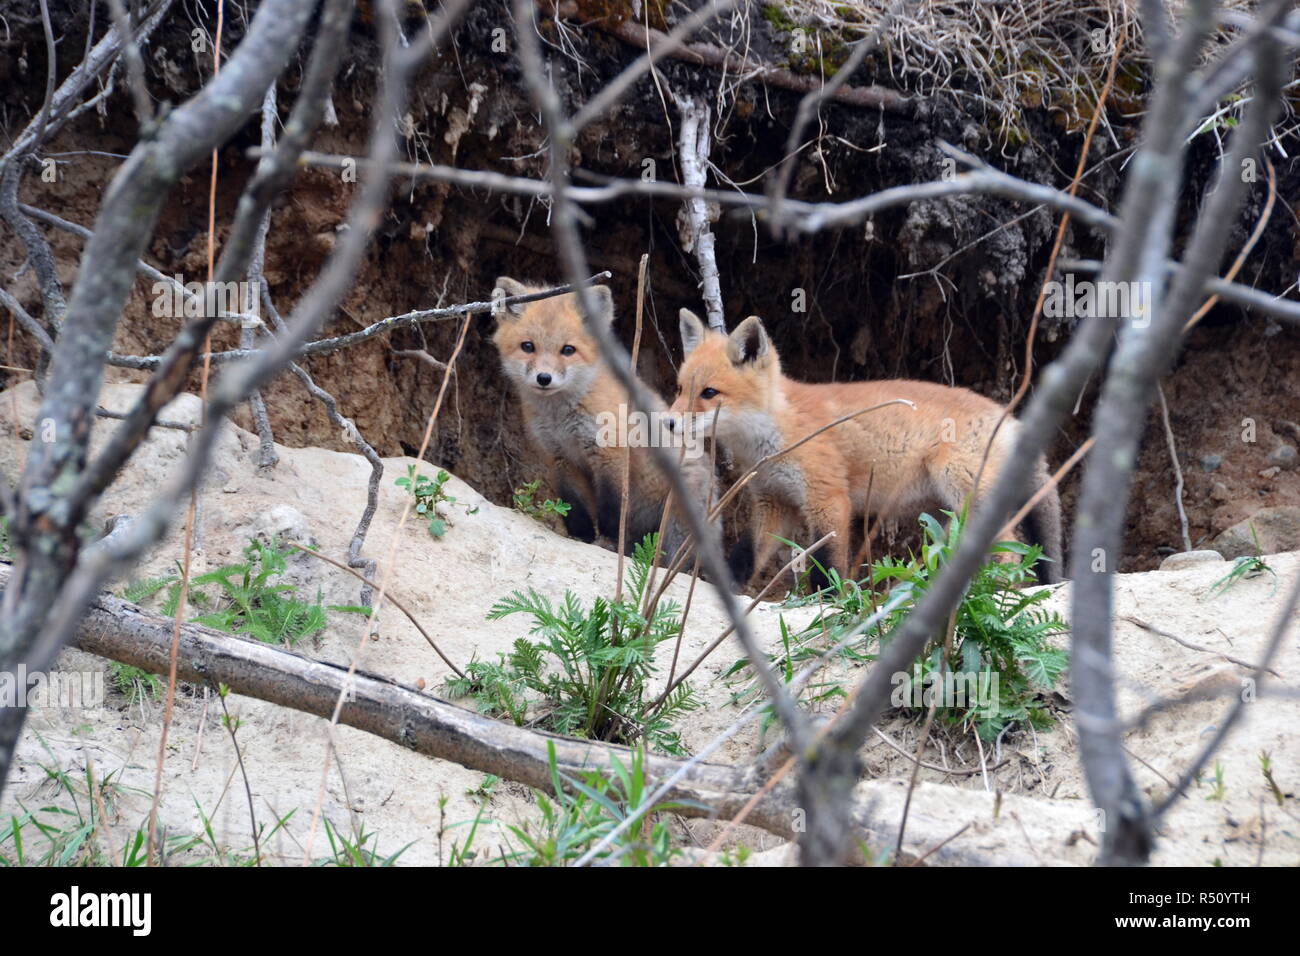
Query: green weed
587	672
525	500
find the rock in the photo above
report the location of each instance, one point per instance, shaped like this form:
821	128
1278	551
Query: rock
285	524
1284	456
116	523
1278	530
115	528
1187	559
307	575
1219	491
1211	462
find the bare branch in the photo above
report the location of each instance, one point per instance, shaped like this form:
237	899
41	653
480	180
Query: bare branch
272	174
810	104
267	457
26	321
350	432
696	215
573	257
665	45
44	526
51	71
158	422
134	67
1147	344
1178	468
55	111
192	302
82	584
1240	295
813	217
1280	628
393	322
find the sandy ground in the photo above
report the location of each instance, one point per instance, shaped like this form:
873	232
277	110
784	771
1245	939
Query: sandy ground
316	496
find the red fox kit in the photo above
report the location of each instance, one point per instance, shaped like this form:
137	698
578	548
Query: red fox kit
907	459
578	415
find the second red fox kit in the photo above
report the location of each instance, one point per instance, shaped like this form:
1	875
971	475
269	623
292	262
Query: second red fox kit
576	413
906	459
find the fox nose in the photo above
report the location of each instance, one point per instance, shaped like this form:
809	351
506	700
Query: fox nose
543	379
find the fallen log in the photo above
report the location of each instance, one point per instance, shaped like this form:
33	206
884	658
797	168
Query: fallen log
121	631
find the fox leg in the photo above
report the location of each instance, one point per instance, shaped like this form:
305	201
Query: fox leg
574	488
645	508
644	504
699	481
609	506
833	514
1043	525
776	523
678	530
955	487
752	553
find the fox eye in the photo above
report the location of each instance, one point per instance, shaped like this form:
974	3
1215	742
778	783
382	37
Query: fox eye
528	347
568	350
709	393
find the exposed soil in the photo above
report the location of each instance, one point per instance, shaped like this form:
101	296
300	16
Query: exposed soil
1041	813
961	317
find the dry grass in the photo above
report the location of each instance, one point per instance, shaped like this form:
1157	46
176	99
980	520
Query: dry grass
1007	55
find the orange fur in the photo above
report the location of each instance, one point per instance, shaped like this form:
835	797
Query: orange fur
906	458
564	415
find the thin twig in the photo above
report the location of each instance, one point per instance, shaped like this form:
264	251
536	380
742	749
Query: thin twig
627	447
1178	468
191	511
388	596
1230	719
717	641
1193	647
230	725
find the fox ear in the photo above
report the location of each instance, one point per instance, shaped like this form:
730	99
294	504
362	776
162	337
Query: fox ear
505	288
692	328
603	300
749	342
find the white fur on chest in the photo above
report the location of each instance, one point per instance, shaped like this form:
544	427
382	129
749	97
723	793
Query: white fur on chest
564	428
751	436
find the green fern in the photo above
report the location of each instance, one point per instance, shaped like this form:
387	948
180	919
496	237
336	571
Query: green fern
249	601
135	683
1000	640
242	598
579	812
586	671
137	592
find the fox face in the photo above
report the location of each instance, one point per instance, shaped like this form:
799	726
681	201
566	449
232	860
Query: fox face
728	385
544	345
